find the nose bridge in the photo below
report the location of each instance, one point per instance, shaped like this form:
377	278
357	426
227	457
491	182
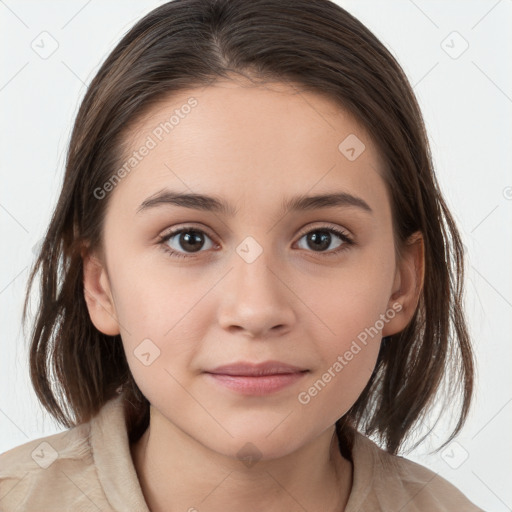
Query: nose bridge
254	296
253	266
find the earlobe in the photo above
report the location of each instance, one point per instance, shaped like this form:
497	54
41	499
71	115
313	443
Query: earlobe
408	284
98	296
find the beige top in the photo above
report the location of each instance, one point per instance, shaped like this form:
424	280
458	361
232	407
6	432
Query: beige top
89	468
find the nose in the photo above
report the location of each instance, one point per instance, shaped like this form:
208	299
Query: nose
257	298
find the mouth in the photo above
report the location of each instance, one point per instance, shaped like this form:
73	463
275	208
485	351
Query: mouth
256	379
248	369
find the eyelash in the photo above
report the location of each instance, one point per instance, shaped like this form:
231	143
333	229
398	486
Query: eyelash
176	254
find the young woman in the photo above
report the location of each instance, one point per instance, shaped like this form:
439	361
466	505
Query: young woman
250	270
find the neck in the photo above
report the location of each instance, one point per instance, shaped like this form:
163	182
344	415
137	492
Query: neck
176	472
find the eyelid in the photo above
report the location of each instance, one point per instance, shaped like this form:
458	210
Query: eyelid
187	226
325	225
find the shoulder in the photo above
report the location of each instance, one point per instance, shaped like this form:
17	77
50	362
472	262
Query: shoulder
396	483
45	453
50	473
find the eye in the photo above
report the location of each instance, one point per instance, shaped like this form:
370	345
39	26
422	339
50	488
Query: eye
190	239
184	242
321	238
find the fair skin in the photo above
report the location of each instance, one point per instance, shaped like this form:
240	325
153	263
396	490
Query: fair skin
253	147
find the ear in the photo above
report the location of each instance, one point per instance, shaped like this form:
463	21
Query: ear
98	295
408	284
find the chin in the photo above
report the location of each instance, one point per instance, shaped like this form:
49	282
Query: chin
255	442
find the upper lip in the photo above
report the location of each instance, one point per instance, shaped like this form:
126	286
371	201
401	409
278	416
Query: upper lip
256	369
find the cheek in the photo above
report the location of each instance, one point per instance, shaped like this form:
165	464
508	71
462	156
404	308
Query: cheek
351	310
331	392
162	319
348	350
350	299
152	299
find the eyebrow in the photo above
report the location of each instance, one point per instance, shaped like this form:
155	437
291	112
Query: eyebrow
217	205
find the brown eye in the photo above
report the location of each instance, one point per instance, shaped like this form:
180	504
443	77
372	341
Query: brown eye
322	240
184	241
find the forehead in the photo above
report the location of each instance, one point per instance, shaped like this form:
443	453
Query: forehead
239	140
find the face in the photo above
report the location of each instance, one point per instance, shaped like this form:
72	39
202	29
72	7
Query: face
190	288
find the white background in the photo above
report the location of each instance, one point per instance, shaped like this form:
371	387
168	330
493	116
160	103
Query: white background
467	104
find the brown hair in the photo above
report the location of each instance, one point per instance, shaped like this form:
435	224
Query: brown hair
320	47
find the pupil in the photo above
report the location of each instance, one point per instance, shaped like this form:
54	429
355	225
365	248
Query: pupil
321	241
191	238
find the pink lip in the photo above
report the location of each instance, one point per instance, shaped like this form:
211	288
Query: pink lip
256	385
256	379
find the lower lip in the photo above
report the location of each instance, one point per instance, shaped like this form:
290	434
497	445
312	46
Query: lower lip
261	385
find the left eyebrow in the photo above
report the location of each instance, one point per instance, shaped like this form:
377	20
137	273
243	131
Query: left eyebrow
217	205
